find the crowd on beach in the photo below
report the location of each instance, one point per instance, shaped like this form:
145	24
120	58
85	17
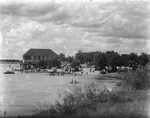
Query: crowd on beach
54	71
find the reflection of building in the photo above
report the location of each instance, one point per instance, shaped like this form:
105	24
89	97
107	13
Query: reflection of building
32	56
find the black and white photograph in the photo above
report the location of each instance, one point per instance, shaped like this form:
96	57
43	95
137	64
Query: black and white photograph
74	59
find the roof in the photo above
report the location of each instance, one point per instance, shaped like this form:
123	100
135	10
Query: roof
83	65
40	52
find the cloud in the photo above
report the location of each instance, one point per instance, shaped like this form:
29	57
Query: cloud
24	32
40	11
88	24
120	20
59	40
69	27
27	9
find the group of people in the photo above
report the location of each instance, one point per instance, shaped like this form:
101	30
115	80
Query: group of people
74	82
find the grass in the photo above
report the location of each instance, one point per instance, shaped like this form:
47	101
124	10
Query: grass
111	76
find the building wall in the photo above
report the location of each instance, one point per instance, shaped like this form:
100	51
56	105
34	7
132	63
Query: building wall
35	59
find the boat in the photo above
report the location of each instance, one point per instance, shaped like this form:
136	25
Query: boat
9	72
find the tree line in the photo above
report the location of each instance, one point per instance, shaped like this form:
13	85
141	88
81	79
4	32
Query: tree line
58	60
99	59
10	61
112	59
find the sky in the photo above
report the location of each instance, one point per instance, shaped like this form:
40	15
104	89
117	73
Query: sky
67	26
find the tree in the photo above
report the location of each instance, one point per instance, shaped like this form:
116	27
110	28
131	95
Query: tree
133	61
75	63
55	62
112	59
70	59
133	58
124	60
88	57
100	60
62	57
80	56
143	59
42	63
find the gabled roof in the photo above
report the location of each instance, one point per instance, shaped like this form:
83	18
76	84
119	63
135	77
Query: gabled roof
40	52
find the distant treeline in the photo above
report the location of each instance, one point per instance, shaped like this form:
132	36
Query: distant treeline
10	61
113	59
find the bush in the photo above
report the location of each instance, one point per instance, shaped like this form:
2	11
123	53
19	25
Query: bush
93	101
138	79
42	64
55	62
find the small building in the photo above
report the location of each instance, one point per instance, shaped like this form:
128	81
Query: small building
83	66
32	56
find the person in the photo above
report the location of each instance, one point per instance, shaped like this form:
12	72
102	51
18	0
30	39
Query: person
5	114
71	81
90	69
76	82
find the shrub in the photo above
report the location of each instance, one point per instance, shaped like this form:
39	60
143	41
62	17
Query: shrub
42	63
93	101
138	79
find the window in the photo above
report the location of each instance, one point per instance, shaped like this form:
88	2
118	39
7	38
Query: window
38	57
27	57
34	57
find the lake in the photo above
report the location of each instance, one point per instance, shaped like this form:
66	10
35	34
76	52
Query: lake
24	93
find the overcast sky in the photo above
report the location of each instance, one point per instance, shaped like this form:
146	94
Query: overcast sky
69	26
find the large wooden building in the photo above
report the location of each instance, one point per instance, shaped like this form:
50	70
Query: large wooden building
32	56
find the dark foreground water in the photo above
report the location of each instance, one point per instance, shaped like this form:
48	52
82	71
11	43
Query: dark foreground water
22	93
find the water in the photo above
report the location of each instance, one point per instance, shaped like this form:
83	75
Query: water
24	93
